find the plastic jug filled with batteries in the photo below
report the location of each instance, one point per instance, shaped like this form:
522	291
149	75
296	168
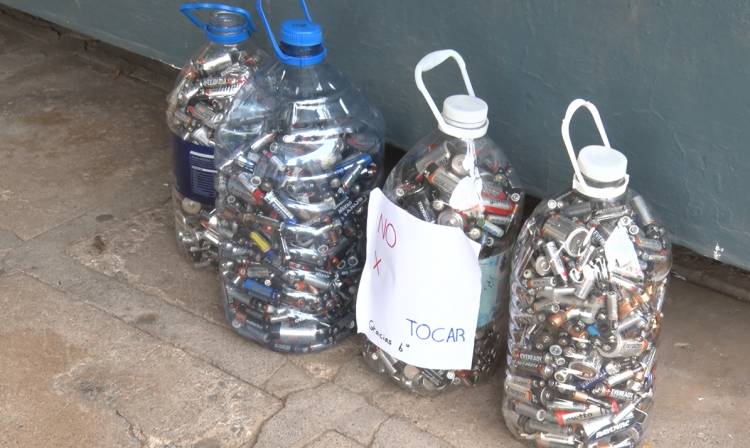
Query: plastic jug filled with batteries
588	281
205	87
298	154
457	176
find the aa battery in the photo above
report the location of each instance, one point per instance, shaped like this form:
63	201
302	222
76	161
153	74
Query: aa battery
306	332
272	200
434	158
617	394
418	201
577	209
611	213
519	392
261	291
450	218
204	113
493	229
214	64
643	210
586	286
444	181
547	428
529	410
226	91
569	417
621	377
553	255
558	228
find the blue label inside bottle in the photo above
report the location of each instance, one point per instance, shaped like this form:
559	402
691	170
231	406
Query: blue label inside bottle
494	275
194	171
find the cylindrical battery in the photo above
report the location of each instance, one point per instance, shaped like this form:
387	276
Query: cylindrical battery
438	156
218	63
643	210
306	332
577	209
553	255
418	202
450	218
444	181
529	410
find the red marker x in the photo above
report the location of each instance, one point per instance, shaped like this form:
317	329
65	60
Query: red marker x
377	263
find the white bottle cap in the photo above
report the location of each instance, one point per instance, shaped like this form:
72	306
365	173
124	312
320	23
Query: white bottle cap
464	111
602	164
463	116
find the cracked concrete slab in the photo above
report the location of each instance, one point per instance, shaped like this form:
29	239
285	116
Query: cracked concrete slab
8	241
332	439
397	432
142	251
81	135
326	364
45	258
702	384
309	414
101	371
463	417
33	413
290	378
356	377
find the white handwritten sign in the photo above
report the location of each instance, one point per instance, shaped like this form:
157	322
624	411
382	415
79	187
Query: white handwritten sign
419	294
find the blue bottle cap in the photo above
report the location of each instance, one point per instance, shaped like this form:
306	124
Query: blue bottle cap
227	28
300	40
227	25
300	33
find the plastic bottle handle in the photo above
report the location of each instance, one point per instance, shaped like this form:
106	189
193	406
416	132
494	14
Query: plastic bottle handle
188	8
565	129
432	60
280	54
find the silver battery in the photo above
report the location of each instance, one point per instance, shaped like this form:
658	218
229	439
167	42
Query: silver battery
438	156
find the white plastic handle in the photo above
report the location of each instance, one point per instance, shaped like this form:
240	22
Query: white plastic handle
572	109
432	60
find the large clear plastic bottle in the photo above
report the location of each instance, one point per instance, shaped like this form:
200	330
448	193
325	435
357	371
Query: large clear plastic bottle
297	156
588	282
203	92
429	182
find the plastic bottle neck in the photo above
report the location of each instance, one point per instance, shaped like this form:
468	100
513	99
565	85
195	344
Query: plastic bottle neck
302	52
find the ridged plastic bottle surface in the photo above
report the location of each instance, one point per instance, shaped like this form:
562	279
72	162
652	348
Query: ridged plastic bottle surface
203	92
297	156
588	283
422	184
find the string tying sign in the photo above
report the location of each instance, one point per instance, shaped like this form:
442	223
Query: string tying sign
418	300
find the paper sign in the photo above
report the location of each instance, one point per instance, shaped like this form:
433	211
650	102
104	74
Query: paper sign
620	253
418	298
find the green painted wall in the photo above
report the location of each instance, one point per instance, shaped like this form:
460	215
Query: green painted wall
669	78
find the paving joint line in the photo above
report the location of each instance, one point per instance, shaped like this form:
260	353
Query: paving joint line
186	351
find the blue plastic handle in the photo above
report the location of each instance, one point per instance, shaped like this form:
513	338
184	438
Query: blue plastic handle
303	5
188	8
283	57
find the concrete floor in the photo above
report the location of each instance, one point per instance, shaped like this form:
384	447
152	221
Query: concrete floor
107	338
